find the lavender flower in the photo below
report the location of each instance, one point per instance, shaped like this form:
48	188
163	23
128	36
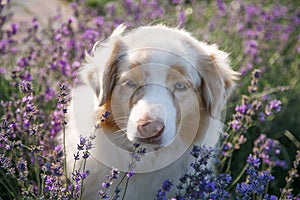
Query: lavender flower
136	154
26	87
273	106
33	111
221	5
286	192
22	169
268	150
182	18
85	143
176	1
241	109
201	184
105	116
166	187
256	181
262	117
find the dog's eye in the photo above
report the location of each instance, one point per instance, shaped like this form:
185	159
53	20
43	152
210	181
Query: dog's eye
129	83
180	86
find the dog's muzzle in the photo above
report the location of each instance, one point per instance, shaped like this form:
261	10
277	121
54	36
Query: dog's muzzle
152	116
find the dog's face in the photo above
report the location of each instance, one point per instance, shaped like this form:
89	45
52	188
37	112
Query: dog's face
149	92
153	79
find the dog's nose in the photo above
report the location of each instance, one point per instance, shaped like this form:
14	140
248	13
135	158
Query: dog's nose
150	128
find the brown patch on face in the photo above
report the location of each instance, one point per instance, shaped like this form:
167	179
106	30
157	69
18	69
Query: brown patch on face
136	74
135	70
177	74
172	78
136	96
135	64
139	57
180	69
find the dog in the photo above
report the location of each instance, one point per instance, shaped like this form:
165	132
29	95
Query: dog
163	89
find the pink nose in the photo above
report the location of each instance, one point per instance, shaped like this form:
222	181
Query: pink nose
150	128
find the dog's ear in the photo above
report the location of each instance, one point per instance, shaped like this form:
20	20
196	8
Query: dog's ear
99	71
109	75
217	78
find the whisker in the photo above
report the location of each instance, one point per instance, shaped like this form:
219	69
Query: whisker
121	138
119	133
120	118
120	121
118	124
123	120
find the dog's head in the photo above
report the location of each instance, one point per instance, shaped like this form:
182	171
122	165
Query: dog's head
152	77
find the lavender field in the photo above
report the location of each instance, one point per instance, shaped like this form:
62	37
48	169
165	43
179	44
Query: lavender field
259	156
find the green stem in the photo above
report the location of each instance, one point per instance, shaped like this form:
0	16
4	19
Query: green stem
238	177
74	165
37	173
7	185
127	180
228	165
120	183
43	185
30	149
82	188
65	152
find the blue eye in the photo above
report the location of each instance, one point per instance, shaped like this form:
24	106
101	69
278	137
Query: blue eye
129	83
180	86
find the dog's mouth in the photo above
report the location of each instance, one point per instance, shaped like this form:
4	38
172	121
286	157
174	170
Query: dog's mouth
149	131
150	128
153	139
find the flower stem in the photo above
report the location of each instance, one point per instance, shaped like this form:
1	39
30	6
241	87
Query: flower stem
7	185
119	183
82	188
238	177
65	152
127	181
37	172
30	149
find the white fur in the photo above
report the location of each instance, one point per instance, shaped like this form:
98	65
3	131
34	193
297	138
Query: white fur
208	79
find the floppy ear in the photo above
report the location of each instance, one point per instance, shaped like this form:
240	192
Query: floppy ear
108	78
218	79
99	71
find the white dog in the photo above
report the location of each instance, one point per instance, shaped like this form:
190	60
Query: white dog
164	89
